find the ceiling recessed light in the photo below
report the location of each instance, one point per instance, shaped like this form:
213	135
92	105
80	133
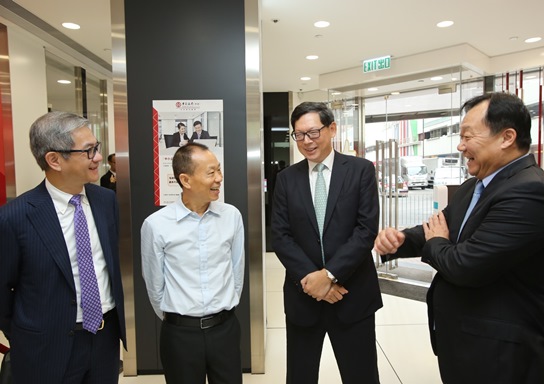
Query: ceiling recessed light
533	39
71	25
372	89
305	78
436	78
321	24
336	93
444	24
64	82
395	93
454	79
312	57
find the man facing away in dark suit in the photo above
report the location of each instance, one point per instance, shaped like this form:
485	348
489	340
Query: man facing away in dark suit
324	224
486	303
109	179
61	297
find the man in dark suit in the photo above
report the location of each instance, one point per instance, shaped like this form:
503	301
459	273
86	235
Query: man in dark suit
109	179
331	285
486	303
61	297
198	132
180	137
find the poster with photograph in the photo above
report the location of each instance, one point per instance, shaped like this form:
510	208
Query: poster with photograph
176	123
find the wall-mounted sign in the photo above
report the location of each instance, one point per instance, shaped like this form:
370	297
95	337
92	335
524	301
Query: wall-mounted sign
377	64
175	124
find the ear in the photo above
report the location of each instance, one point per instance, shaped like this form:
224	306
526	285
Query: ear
509	136
332	127
184	179
54	160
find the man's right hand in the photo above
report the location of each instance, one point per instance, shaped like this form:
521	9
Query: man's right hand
388	241
335	294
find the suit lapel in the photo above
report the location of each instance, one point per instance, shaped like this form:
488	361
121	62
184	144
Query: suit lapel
302	187
337	179
101	223
44	219
497	181
460	214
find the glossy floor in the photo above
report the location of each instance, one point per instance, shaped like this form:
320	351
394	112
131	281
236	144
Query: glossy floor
404	350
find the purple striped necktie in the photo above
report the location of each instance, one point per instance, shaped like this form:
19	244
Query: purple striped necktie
90	295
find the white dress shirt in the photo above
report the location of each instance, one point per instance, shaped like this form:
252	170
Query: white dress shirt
328	162
193	265
65	212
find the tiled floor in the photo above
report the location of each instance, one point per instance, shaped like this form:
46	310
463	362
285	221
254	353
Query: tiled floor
404	350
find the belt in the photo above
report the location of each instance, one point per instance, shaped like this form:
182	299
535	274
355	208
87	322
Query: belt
105	317
198	322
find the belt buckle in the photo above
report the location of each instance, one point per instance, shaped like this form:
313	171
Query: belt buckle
101	325
202	320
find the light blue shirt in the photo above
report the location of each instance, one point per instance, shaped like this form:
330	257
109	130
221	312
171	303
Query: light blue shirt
193	265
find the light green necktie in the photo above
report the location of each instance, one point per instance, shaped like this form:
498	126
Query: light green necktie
320	203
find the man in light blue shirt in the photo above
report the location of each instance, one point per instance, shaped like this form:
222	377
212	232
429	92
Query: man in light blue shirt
193	267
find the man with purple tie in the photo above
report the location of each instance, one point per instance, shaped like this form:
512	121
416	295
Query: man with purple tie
61	297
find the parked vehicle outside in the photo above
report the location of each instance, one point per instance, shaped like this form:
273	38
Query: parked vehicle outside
433	163
449	176
400	189
413	171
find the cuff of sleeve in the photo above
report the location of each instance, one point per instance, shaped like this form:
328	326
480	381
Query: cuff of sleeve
331	276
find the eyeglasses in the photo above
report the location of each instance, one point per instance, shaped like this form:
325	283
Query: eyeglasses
91	152
312	134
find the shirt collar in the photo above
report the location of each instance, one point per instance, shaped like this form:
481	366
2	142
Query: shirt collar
328	162
182	211
61	199
488	179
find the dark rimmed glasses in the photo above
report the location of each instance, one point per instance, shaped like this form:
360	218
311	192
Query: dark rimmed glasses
312	134
91	152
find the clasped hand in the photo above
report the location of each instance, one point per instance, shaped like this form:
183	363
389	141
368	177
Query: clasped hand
436	227
318	285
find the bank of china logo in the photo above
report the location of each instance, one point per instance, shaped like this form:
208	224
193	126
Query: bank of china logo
188	105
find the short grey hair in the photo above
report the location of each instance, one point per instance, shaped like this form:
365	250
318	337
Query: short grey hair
53	132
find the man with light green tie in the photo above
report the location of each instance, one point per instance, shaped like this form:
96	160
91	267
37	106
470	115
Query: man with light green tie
324	221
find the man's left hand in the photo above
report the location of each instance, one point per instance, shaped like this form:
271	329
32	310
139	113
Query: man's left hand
436	227
316	284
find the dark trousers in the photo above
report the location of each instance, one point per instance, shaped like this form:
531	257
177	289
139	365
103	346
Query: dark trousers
95	358
354	347
189	354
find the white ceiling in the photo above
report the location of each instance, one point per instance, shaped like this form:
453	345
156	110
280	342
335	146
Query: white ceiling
359	30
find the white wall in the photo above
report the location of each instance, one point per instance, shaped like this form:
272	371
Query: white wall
29	101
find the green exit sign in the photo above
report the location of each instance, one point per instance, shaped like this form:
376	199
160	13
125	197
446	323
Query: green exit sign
377	64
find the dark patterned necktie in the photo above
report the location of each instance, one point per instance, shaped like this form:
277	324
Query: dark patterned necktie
90	296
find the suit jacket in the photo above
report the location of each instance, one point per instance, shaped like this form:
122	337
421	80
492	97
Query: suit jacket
37	291
176	139
486	303
105	181
203	135
351	225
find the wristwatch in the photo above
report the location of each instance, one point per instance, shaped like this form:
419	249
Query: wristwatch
331	276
